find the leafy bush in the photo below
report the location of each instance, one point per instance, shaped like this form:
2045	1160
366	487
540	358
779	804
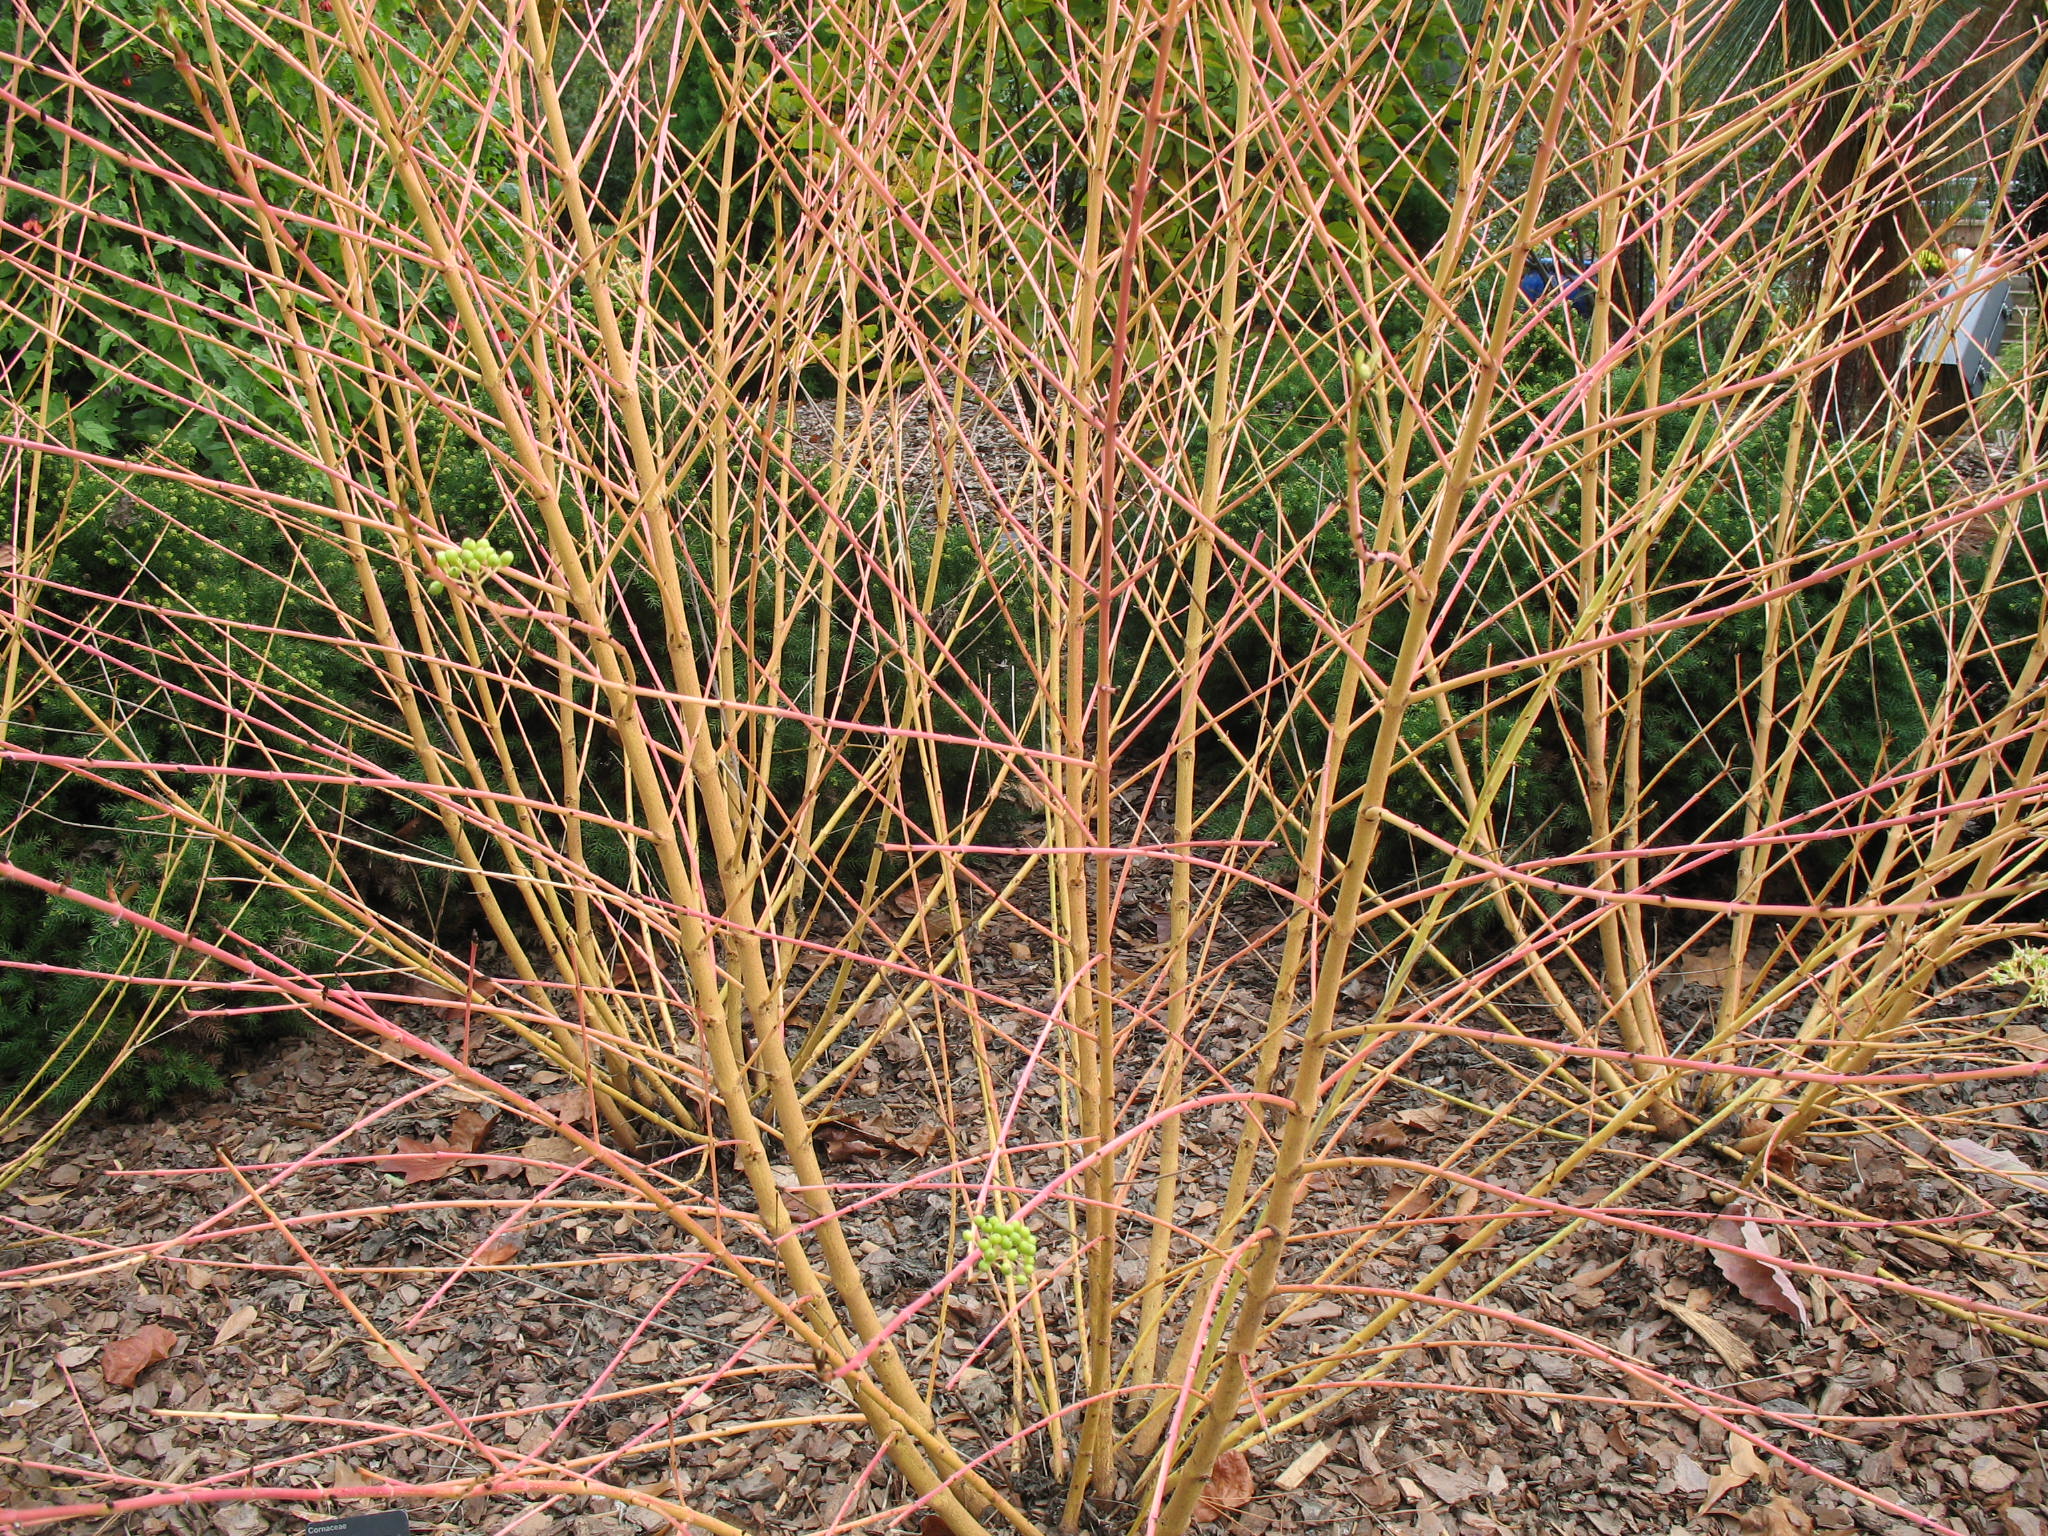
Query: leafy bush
1865	644
143	578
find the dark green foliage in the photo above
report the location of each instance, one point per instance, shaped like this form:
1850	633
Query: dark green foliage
1871	646
155	583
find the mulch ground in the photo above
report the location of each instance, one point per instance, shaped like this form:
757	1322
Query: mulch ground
590	1353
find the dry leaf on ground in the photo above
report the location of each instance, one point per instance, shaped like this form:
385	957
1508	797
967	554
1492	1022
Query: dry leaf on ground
501	1249
1783	1516
842	1141
1451	1484
1596	1274
417	1160
1464	1205
1380	1136
125	1359
634	965
1752	1271
428	994
2031	1041
571	1108
1715	968
395	1356
1743	1465
470	1131
1997	1162
1717	1336
540	1149
1229	1487
805	1200
1405	1200
424	1161
236	1323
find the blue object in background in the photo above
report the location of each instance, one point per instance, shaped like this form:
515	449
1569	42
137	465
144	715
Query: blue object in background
1547	275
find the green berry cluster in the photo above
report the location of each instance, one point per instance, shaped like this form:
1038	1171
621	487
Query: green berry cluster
469	559
1007	1247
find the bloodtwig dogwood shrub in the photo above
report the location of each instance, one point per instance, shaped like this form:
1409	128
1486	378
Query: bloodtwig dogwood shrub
1138	707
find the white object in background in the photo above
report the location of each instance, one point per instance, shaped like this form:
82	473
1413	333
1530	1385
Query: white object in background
1968	332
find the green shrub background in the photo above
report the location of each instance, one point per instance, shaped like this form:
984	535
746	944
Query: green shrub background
145	573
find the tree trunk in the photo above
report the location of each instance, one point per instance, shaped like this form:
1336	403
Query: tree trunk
1872	287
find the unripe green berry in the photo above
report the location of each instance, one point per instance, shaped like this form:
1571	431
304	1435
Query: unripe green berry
1007	1247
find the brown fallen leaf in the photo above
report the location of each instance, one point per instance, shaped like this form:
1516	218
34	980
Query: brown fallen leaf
236	1323
1715	969
502	1166
470	1131
429	994
547	1149
1593	1274
1751	1271
125	1359
1377	1491
1464	1205
419	1161
1997	1162
936	923
635	965
1717	1336
842	1141
1403	1200
2031	1041
1316	1312
574	1107
1783	1516
1229	1487
1380	1136
501	1249
1451	1484
393	1356
1744	1465
877	1011
1426	1117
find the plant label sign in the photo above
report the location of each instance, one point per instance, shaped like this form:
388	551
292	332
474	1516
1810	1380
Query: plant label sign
381	1522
